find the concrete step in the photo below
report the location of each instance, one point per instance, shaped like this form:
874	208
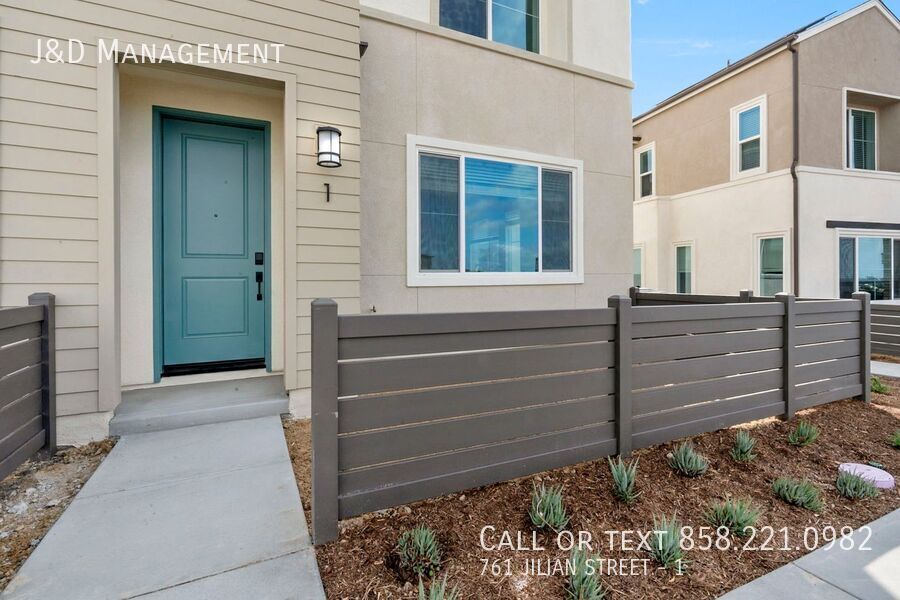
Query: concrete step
172	407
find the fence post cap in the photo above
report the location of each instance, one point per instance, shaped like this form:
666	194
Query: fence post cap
861	296
323	302
617	300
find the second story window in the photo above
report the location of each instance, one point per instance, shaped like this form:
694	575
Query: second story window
861	139
646	171
748	138
511	22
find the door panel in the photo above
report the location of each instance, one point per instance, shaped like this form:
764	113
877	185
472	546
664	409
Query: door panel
213	222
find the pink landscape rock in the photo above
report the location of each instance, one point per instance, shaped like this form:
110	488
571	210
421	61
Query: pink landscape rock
879	477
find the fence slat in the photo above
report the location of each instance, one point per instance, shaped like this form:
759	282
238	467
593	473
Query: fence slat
827	370
19	333
669	397
816	334
694	346
441	474
827	351
831	317
19	356
648	314
698	369
396	374
356	326
386	445
21	434
324	420
375	347
829	396
825	385
372	412
19	384
825	306
22	453
18	413
670	328
20	315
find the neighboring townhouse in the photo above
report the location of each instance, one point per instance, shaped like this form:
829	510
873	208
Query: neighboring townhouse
185	215
781	172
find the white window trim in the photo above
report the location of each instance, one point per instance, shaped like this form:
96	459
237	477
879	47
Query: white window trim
416	144
693	247
848	147
845	106
756	275
642	247
736	173
893	234
637	171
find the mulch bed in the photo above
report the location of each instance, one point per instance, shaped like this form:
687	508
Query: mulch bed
886	358
34	496
357	565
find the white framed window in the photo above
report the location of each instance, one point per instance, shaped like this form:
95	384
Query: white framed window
645	171
748	138
637	265
684	268
862	147
478	215
771	264
512	22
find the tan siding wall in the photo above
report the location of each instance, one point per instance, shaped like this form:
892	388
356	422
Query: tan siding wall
862	53
693	137
48	159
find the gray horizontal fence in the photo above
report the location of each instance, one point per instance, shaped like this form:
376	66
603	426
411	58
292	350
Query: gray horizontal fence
886	329
407	407
27	381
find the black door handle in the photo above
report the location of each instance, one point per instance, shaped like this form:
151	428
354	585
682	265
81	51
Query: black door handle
259	282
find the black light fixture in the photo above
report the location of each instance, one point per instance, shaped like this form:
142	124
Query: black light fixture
329	147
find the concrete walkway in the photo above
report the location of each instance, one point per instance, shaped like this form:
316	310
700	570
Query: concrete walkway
838	574
202	512
885	369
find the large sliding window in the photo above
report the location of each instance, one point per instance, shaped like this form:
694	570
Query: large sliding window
771	266
511	22
684	269
489	220
869	264
861	148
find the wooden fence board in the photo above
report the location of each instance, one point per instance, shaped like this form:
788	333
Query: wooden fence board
697	369
695	346
669	397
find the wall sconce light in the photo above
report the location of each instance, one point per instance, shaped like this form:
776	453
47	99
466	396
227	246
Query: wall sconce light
329	147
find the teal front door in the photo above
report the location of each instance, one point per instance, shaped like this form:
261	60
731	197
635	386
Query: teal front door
213	253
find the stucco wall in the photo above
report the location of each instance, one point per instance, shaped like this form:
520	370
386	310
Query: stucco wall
693	136
415	81
723	229
860	53
58	224
839	196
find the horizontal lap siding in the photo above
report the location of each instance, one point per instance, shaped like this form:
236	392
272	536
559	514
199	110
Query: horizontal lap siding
886	329
49	156
448	402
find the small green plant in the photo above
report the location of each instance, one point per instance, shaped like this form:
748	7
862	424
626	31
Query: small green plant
584	584
665	545
878	387
547	508
799	493
419	552
854	487
895	439
687	461
737	516
804	434
624	475
437	590
742	451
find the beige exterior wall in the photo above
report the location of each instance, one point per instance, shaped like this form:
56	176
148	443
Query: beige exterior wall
839	195
693	136
431	82
723	231
862	53
593	34
59	209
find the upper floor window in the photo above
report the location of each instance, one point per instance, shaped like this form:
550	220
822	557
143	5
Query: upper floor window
646	171
748	138
861	147
511	22
491	217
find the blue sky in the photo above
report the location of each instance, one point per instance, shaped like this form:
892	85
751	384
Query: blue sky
679	42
